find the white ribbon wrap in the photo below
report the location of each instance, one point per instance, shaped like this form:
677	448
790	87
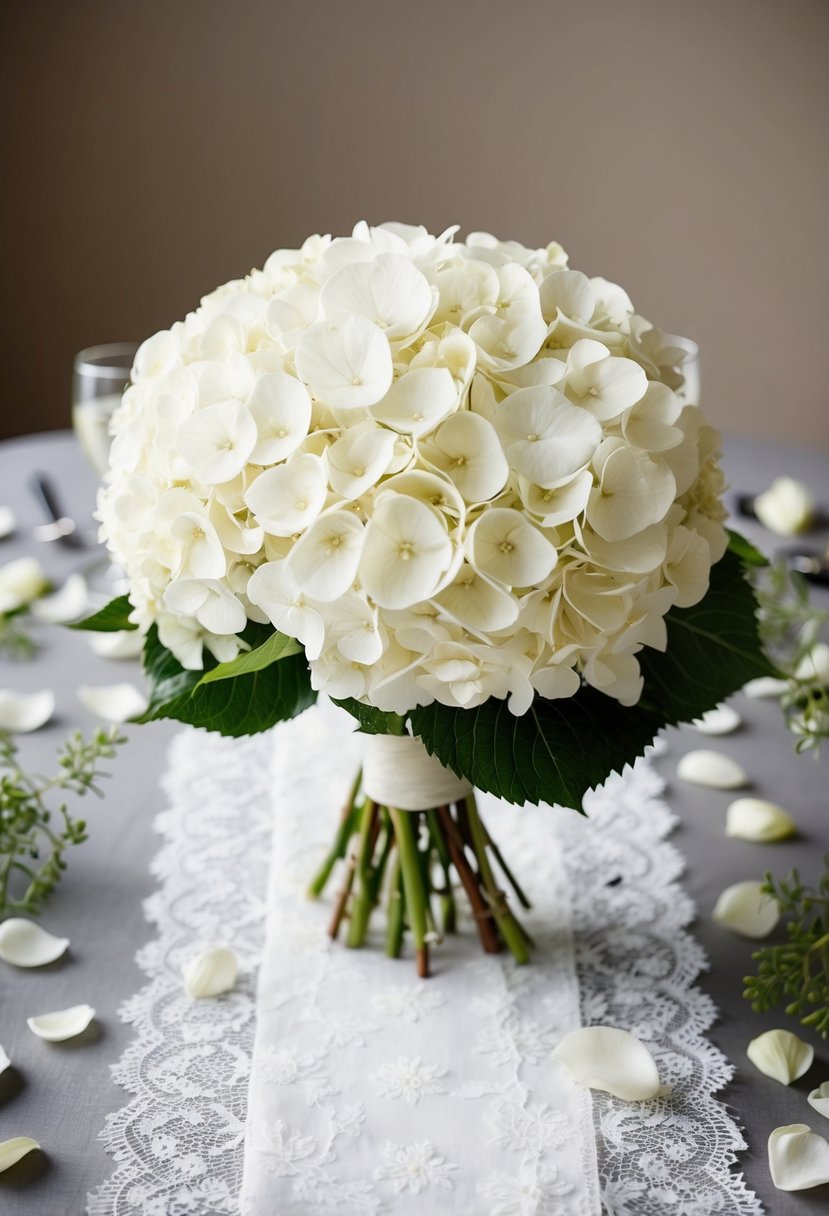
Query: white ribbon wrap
399	772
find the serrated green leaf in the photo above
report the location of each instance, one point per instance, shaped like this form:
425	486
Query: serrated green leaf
372	721
112	618
748	553
278	646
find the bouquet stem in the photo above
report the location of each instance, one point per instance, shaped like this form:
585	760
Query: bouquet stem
409	859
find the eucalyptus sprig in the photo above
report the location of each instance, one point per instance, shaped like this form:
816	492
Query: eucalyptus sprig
796	975
34	834
16	642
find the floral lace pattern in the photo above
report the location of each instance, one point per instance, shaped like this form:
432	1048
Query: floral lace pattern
179	1143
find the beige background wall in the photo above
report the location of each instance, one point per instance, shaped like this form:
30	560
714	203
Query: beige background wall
155	148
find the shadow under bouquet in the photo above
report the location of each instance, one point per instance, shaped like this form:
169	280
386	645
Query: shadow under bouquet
468	494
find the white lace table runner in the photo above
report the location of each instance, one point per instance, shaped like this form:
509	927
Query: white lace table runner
484	1062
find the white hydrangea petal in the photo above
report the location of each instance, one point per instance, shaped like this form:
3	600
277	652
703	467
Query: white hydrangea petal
722	720
548	438
715	769
798	1158
759	820
781	1055
359	638
786	507
67	604
14	1150
274	589
389	291
406	552
8	522
26	944
766	687
503	545
21	581
120	644
476	603
62	1024
569	292
818	1099
747	910
210	973
815	664
324	560
200	552
5	1062
287	498
635	490
358	459
611	1060
466	448
217	441
607	387
559	504
418	400
347	366
281	410
649	424
22	712
113	702
213	605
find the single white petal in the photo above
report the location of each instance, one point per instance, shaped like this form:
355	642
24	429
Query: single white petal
62	1024
406	552
418	400
765	686
121	644
819	1099
8	523
21	581
210	973
720	721
747	910
705	767
67	604
281	408
756	819
25	944
612	1060
212	604
466	448
347	366
786	507
798	1158
287	498
815	664
560	504
635	490
324	560
200	552
113	702
359	458
217	441
781	1055
23	712
477	603
389	291
547	438
11	1151
5	1062
505	546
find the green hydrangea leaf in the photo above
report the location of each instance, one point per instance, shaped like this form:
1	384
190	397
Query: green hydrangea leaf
112	618
277	646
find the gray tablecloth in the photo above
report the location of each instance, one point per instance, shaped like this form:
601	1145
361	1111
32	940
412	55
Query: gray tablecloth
60	1094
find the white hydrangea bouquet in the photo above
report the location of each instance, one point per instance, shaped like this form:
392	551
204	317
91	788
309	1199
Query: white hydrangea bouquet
457	487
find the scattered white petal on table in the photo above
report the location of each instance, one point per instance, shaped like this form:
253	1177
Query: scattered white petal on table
798	1158
119	644
5	1062
786	507
758	820
819	1099
21	581
766	686
715	769
67	604
12	1150
25	711
815	664
62	1024
8	523
613	1060
746	909
210	973
781	1055
26	944
720	721
114	702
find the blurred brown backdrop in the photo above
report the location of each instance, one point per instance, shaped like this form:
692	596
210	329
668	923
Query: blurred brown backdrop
157	148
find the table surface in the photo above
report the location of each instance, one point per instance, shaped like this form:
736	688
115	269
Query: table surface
61	1093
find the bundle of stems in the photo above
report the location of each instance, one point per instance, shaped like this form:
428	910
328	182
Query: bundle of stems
414	861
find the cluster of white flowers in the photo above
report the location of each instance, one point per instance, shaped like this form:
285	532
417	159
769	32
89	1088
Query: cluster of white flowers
452	471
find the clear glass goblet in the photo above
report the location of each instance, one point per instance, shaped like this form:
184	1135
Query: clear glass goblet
99	376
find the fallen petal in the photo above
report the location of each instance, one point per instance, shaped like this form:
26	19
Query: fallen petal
68	604
22	712
113	702
62	1024
120	644
720	721
12	1150
798	1158
819	1099
765	686
747	910
786	507
25	944
756	819
8	523
613	1060
704	767
210	973
781	1055
5	1062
